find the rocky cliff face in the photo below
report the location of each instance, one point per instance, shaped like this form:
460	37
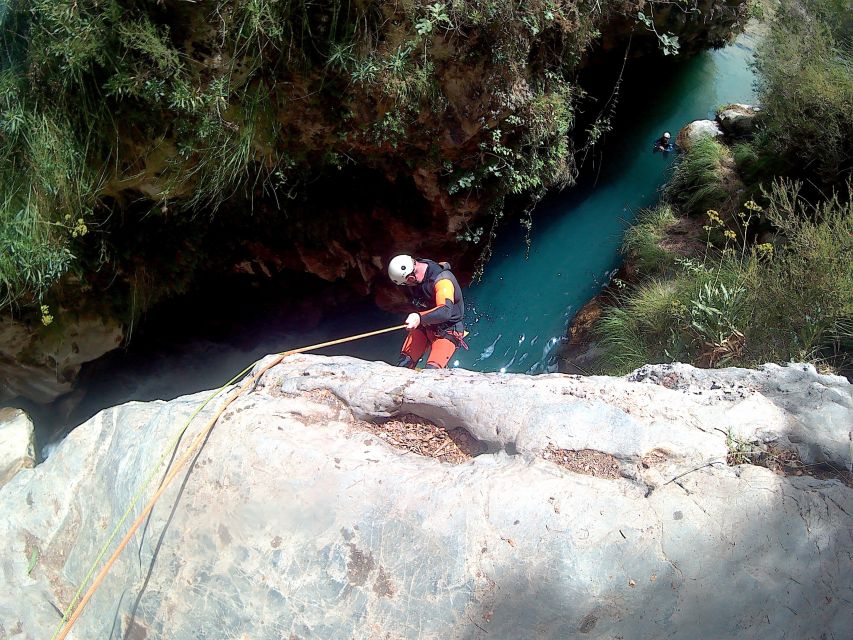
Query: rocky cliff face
697	24
292	138
344	499
41	364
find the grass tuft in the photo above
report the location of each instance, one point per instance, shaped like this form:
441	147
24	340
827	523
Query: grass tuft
697	182
643	239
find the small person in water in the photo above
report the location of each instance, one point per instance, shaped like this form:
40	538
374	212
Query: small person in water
664	143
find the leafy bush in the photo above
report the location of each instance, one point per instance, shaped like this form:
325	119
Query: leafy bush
803	297
805	70
753	165
46	195
28	264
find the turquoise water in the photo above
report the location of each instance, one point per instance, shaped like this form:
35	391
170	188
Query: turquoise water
521	308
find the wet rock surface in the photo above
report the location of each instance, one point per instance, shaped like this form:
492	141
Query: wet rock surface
298	521
41	365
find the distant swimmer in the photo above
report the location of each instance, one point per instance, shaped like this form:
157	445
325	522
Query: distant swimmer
664	143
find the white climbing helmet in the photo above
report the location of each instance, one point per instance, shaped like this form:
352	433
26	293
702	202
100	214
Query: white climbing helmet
400	267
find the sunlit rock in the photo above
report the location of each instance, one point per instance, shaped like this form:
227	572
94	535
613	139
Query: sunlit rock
320	507
697	130
40	363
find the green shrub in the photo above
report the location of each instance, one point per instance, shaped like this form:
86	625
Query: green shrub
697	182
640	328
46	197
748	304
623	343
29	265
716	312
753	165
803	297
696	317
805	71
643	239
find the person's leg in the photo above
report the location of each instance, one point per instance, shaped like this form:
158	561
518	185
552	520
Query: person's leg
413	348
440	353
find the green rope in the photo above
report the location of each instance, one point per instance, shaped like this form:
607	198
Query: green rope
169	450
172	447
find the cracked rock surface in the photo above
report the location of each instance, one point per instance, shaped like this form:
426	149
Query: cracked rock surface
297	522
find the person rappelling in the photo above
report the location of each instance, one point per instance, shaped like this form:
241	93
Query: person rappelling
438	325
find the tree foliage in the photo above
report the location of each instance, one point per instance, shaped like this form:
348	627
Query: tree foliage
805	69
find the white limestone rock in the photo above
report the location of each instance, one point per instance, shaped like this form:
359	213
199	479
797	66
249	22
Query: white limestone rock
296	523
41	364
17	443
697	130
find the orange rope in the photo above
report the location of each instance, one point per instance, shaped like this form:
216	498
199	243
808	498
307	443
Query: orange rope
183	459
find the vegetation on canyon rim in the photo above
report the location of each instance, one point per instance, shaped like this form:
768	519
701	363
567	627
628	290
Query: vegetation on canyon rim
117	108
774	279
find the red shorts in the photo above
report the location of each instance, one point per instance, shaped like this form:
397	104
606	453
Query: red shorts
441	348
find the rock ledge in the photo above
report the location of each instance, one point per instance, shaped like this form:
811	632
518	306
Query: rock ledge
299	520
